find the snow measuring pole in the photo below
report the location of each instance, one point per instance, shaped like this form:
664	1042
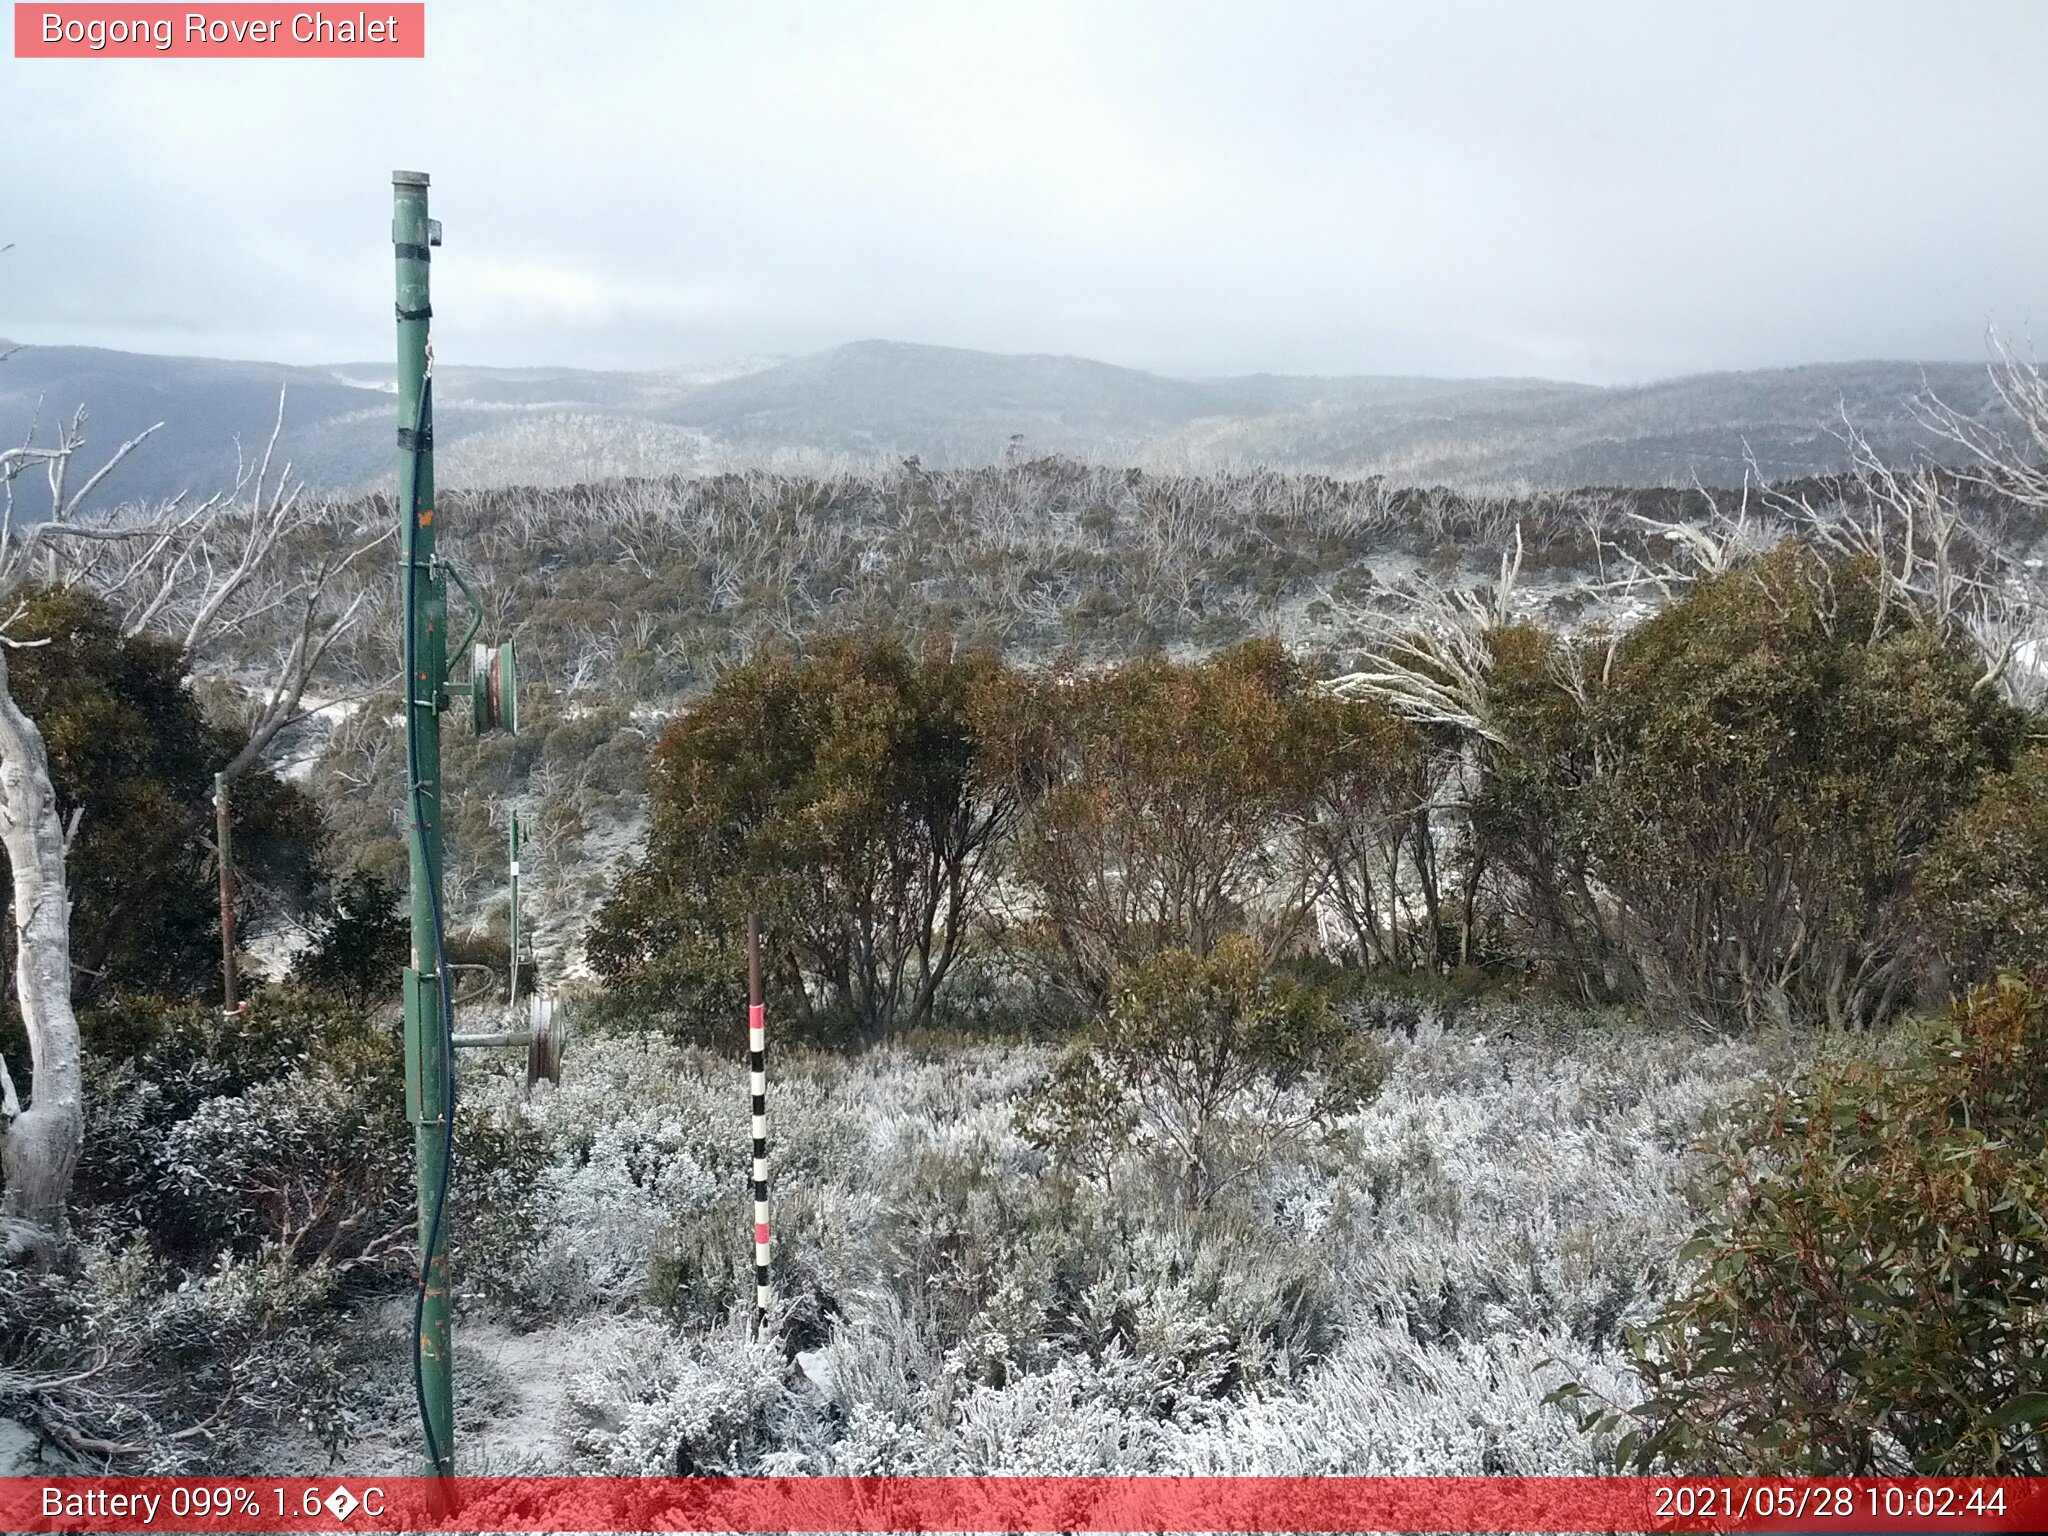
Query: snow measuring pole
757	1082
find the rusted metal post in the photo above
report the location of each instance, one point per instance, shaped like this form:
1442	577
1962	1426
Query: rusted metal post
757	1067
223	845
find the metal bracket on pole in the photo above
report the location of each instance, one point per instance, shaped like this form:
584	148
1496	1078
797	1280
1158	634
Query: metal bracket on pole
545	1037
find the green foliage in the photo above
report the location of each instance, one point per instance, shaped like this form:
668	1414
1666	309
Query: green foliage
1369	825
190	1052
1161	796
1984	887
130	756
1729	811
1872	1303
152	1067
1530	817
1082	1115
361	945
841	795
315	1163
133	759
495	1216
1204	1055
279	840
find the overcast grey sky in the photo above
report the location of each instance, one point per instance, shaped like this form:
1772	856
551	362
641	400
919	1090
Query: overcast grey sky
1602	192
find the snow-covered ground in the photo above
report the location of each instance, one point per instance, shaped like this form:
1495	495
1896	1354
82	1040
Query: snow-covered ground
1378	1301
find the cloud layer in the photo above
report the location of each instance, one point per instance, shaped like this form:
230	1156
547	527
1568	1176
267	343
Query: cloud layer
1592	192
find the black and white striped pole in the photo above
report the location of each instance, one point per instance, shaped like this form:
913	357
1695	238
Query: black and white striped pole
757	1070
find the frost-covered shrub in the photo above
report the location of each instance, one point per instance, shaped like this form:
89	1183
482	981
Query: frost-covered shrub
495	1219
245	1183
1069	1421
317	1162
1387	1405
1498	1186
696	1274
646	1402
648	1157
635	1152
150	1066
1208	1059
125	1358
1379	1298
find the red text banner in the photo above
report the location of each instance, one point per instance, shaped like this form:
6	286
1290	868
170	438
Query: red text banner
1066	1504
242	31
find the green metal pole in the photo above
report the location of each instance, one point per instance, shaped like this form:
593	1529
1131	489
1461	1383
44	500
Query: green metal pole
512	996
426	609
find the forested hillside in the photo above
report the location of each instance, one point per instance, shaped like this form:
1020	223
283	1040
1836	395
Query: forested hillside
868	405
629	600
1267	972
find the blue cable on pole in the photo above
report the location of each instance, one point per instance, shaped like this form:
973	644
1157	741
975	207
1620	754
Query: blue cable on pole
446	1003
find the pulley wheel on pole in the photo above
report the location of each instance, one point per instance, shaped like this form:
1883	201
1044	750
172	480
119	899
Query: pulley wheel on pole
546	1034
494	688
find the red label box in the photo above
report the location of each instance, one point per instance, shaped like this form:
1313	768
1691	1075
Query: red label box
243	31
388	1506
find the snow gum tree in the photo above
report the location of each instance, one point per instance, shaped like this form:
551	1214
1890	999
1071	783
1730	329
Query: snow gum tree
44	1135
1779	750
43	1138
842	796
1165	804
190	572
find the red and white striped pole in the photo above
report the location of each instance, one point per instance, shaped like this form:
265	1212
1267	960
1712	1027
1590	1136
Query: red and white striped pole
757	1067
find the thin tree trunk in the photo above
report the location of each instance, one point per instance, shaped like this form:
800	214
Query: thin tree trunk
223	843
43	1143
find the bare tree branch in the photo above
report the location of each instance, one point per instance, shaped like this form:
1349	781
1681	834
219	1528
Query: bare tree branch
1432	666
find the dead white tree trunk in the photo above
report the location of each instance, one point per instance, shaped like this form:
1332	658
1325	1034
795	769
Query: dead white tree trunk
43	1140
44	1137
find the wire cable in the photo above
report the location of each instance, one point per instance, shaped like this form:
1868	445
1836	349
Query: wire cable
445	1009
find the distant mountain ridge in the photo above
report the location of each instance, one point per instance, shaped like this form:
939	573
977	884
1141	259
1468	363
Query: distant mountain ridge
882	400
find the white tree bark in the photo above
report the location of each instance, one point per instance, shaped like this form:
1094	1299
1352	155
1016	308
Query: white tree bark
43	1141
